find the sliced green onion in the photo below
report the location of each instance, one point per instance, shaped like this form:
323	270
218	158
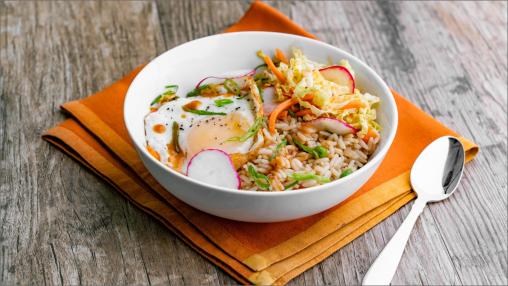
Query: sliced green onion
291	113
157	99
197	90
306	148
317	152
222	102
172	87
260	66
289	186
261	78
231	86
202	112
278	147
261	180
321	151
253	130
174	139
170	90
309	176
346	172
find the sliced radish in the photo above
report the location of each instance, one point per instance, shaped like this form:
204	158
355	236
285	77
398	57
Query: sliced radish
339	75
269	102
214	166
234	76
332	125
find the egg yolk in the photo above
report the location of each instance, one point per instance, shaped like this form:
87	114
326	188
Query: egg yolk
214	132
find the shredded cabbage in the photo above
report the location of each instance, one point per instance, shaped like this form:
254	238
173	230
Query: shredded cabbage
303	78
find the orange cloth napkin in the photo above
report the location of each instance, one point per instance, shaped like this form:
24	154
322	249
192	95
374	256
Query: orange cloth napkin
252	253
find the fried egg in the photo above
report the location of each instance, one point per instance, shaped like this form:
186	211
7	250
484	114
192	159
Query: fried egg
197	132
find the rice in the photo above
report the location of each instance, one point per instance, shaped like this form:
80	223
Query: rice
344	152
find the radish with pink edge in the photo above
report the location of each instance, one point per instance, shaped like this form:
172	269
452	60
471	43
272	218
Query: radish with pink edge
332	125
339	75
214	167
222	78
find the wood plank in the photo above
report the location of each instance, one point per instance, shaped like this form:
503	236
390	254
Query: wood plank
59	224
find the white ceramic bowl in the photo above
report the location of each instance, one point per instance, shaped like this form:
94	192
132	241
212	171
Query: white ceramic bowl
188	63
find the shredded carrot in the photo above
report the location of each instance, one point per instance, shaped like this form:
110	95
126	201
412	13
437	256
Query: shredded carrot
283	114
371	133
153	152
353	104
278	109
304	112
274	69
153	109
280	56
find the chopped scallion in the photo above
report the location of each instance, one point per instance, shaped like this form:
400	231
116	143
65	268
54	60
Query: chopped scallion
317	152
197	90
261	180
346	172
253	130
202	112
222	102
309	176
277	148
231	86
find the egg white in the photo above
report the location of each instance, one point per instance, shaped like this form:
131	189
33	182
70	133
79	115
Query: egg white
172	112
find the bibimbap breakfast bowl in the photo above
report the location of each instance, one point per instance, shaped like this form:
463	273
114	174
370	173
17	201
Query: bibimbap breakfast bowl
260	126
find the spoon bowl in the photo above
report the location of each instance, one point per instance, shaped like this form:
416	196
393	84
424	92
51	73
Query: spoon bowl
438	170
434	177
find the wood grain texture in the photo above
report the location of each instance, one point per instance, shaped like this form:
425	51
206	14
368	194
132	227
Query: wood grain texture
60	224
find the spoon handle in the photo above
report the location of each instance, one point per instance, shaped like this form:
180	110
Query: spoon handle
382	270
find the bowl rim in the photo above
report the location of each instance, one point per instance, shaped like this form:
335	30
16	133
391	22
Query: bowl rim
371	163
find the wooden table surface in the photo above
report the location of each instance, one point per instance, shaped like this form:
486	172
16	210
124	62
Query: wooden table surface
61	224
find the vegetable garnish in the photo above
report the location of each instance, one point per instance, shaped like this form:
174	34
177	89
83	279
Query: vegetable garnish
173	88
261	180
197	91
298	177
157	99
174	139
167	95
321	151
223	102
275	113
279	146
346	172
260	66
274	69
231	86
253	130
317	152
202	112
289	186
309	176
280	56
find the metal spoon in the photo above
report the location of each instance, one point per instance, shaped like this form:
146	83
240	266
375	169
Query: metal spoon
434	177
